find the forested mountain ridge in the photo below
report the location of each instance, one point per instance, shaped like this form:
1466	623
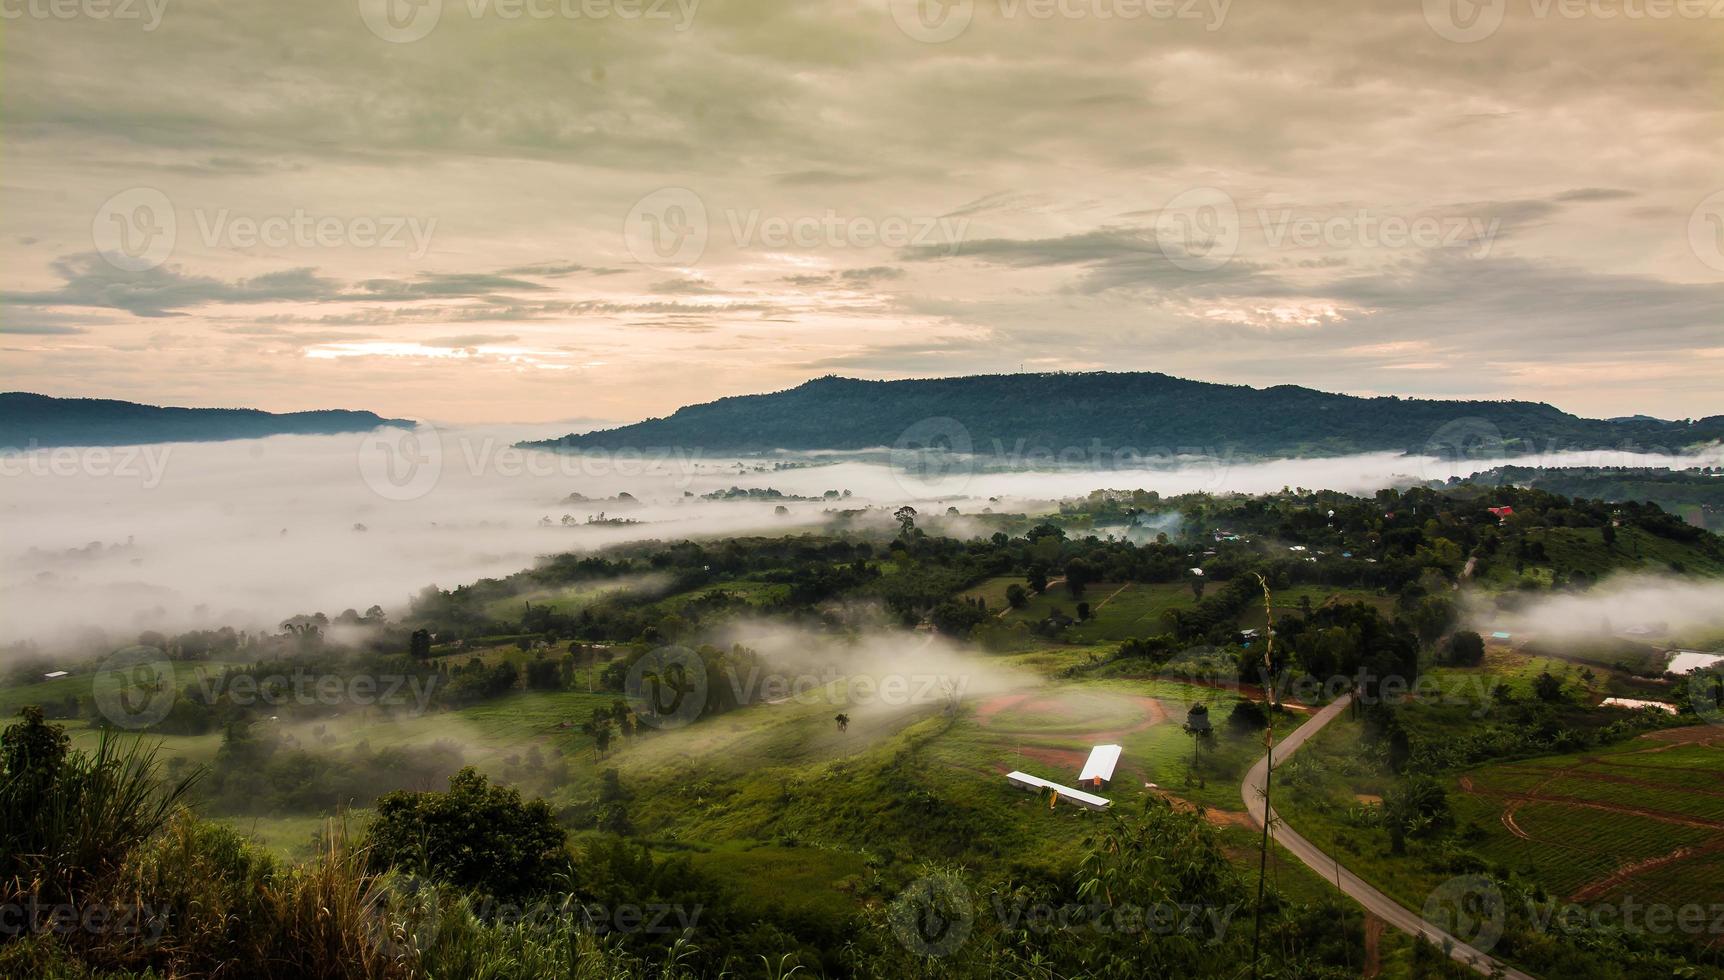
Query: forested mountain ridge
29	420
1143	411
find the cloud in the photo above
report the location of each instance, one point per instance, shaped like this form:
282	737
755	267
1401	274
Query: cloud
472	340
1057	142
89	280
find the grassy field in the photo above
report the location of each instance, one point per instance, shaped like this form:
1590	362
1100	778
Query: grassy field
786	810
1119	611
1645	817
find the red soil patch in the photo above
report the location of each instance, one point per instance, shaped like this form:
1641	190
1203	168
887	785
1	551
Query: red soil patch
1228	818
986	711
1691	735
1621	875
1154	713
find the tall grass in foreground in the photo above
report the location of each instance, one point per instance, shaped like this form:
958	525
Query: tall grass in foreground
70	818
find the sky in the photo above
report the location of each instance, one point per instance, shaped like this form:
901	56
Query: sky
483	211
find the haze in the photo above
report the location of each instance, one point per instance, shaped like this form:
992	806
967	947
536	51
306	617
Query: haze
248	533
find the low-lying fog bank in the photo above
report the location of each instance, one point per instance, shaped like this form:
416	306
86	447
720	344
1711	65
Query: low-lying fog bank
1651	609
247	533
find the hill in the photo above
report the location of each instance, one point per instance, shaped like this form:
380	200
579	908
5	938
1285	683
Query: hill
1695	494
29	420
1102	412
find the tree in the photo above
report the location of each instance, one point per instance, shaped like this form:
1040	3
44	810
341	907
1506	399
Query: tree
1431	618
1198	727
1415	807
1548	688
1037	578
1016	596
419	644
1466	649
1082	611
1247	716
475	836
955	618
544	675
843	721
906	518
1079	574
32	751
1197	587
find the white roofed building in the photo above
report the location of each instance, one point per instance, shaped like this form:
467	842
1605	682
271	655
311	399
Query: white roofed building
1098	771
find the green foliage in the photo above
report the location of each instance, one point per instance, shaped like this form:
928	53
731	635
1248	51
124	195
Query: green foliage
475	836
69	817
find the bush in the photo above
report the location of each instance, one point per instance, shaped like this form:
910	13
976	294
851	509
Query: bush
1466	649
67	818
476	837
1247	716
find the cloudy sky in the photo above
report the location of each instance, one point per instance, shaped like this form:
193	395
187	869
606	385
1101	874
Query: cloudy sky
525	210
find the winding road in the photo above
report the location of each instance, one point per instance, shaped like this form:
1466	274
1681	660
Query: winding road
1328	868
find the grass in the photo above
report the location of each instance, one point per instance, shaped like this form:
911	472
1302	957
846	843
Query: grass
787	811
1579	824
1591	814
769	876
1118	611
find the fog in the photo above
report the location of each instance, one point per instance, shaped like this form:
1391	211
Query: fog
1654	609
249	532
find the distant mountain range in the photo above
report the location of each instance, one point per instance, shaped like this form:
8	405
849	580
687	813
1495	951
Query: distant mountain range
1108	412
28	420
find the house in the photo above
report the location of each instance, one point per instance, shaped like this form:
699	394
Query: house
1088	801
53	675
1098	771
1502	513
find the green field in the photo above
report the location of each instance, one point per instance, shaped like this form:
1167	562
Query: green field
1120	611
1642	819
1583	819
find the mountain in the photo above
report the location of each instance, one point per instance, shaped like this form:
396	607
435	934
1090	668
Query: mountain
1107	412
29	420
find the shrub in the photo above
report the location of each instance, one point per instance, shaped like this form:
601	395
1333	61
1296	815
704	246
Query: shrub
476	836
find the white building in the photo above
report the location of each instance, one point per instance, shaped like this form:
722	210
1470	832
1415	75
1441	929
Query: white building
1024	780
1098	771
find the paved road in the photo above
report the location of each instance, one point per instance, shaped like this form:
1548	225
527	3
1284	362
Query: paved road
1374	901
